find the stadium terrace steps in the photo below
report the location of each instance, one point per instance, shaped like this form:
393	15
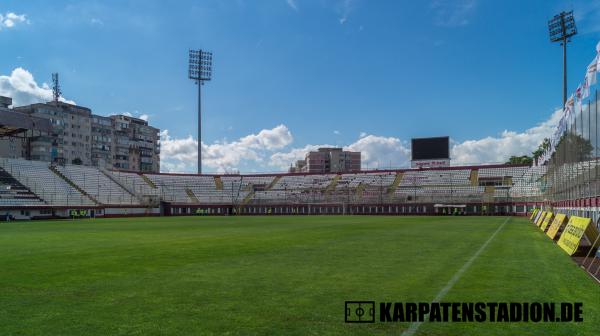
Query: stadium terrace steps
123	185
392	189
248	198
171	188
489	189
331	186
360	190
72	184
147	180
218	183
191	195
274	182
531	183
145	193
489	193
435	177
47	185
474	177
13	192
501	172
96	185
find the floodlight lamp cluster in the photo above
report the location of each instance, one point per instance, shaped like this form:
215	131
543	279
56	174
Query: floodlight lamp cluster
200	67
562	26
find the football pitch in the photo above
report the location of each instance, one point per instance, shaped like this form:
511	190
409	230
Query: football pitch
277	275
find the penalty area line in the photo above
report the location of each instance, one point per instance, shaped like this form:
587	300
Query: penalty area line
415	325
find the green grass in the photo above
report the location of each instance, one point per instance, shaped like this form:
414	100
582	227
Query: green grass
273	275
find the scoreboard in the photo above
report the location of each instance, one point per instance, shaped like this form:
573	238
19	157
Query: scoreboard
430	152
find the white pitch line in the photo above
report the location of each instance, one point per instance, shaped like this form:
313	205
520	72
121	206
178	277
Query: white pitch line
415	325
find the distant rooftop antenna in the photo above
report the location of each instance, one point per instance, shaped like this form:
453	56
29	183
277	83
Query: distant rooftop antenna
56	93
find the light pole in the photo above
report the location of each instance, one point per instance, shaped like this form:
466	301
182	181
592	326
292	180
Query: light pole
561	27
200	70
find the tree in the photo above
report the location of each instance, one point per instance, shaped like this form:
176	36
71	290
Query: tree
520	160
541	149
77	161
577	147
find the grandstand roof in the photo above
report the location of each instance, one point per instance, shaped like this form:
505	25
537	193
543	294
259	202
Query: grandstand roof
12	122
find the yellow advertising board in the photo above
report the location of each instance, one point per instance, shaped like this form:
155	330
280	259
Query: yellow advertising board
547	221
575	230
535	211
536	215
549	217
559	221
540	218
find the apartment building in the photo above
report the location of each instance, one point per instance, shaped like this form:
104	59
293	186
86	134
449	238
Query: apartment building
70	139
80	137
136	144
328	160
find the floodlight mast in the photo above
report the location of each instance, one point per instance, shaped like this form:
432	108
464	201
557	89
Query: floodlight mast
200	70
561	27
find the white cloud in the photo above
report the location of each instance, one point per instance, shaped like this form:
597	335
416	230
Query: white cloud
292	4
587	14
270	149
96	22
336	132
381	152
344	8
275	138
499	149
377	152
136	114
453	13
281	160
181	154
177	155
10	20
23	89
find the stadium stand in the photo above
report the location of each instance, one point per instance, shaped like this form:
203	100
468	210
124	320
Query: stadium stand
37	183
47	185
12	192
529	184
172	187
97	184
436	178
134	182
502	172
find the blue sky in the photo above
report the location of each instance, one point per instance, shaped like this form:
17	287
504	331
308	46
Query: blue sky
291	75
